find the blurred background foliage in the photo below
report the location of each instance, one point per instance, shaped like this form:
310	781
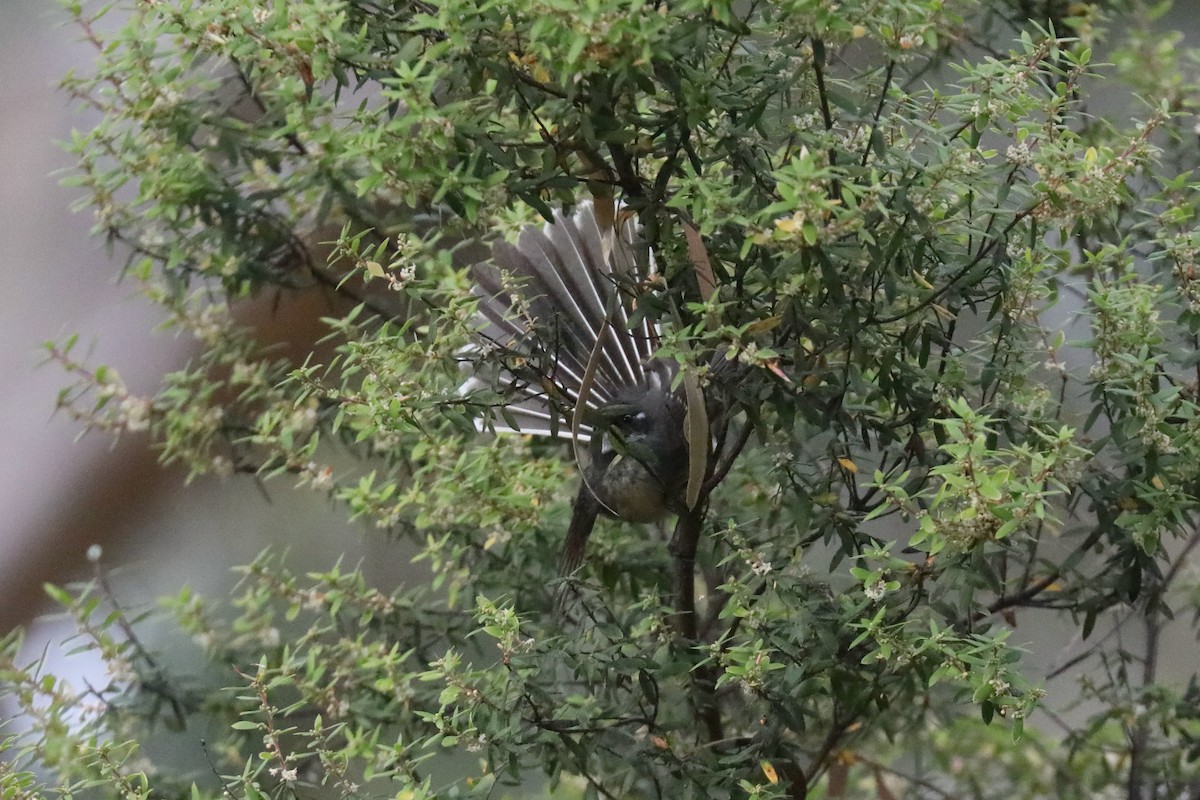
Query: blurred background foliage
950	247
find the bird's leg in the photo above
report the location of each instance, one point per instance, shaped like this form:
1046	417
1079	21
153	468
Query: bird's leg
583	519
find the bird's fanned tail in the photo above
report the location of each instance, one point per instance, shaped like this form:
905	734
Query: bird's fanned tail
547	300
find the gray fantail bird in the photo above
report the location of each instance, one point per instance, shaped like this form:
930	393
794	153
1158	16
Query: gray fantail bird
558	306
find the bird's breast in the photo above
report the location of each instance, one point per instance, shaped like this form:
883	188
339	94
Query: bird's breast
631	492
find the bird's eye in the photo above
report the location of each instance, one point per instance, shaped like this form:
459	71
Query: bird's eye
634	420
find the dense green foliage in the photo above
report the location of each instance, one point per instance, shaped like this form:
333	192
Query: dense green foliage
884	212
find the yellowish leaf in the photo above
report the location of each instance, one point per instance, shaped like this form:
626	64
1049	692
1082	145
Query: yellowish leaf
848	465
942	311
769	771
763	325
696	429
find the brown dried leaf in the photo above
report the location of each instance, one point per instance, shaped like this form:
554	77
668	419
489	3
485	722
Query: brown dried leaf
698	254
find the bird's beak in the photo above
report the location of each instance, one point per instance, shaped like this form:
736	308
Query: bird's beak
603	418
